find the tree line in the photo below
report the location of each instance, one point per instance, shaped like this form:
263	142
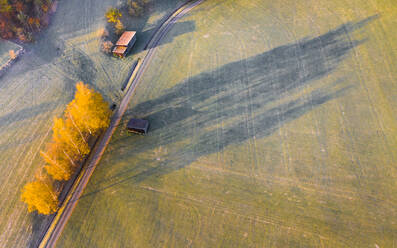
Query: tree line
85	117
20	18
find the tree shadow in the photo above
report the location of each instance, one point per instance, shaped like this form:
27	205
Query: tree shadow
25	113
40	223
272	87
178	28
79	66
140	23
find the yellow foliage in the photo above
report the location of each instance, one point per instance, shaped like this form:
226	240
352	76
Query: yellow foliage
88	110
113	15
59	163
87	114
41	196
68	136
57	172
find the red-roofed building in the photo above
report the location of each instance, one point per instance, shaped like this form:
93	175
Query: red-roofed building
124	44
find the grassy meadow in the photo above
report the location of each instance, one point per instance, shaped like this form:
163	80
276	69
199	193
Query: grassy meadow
272	125
40	85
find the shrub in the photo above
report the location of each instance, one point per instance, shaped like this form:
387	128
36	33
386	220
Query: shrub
107	46
134	8
113	15
12	54
119	28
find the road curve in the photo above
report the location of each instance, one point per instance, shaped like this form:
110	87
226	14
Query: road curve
54	232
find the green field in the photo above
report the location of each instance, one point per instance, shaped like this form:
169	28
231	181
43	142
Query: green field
38	87
273	124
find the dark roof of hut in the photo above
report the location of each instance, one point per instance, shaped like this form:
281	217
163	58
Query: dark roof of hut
137	124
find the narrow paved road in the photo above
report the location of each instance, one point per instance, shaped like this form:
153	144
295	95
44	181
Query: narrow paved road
100	148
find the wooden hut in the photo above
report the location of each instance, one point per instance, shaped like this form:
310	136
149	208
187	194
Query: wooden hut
138	126
124	44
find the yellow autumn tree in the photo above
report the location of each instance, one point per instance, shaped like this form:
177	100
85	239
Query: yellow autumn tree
40	195
59	164
113	15
89	111
66	135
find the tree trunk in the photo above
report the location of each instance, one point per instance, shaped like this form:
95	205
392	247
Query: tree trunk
71	160
78	129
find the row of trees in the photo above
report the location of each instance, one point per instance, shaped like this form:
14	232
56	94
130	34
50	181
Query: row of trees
85	116
20	18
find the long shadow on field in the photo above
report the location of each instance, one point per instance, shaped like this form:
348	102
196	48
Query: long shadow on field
40	223
21	118
25	113
178	28
207	110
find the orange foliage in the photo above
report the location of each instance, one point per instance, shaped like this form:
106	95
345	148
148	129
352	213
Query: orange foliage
88	110
59	163
30	20
65	134
86	115
24	16
40	195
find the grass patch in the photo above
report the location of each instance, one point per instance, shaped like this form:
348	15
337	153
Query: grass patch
271	126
